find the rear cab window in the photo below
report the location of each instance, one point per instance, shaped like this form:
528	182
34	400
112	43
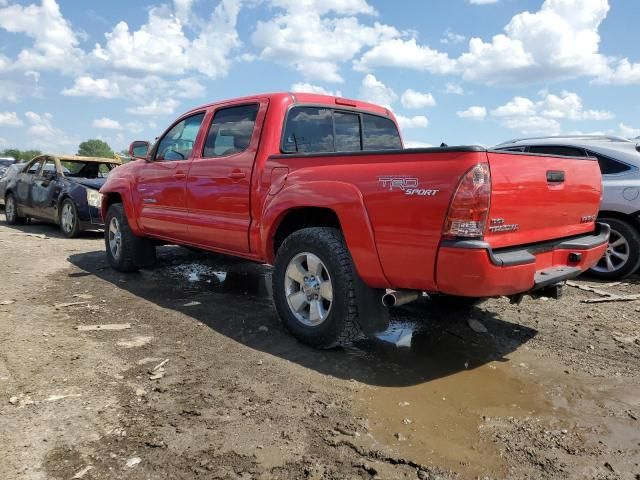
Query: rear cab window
311	129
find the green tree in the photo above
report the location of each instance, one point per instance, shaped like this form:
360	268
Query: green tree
20	155
95	148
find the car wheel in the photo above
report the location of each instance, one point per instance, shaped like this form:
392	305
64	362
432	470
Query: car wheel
11	211
69	221
622	257
126	252
314	288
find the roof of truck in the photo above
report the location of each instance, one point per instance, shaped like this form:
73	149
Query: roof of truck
304	97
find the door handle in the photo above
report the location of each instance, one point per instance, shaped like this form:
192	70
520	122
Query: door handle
180	175
237	174
555	176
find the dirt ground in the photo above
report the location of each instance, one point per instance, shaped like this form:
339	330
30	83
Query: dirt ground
206	384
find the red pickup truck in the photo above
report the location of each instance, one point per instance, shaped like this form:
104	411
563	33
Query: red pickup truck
321	188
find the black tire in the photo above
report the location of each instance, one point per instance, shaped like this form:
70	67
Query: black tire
631	235
12	215
134	252
341	324
73	229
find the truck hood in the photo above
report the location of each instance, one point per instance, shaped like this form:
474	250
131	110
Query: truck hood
95	183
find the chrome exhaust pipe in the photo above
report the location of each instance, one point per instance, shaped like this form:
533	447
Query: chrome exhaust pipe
395	298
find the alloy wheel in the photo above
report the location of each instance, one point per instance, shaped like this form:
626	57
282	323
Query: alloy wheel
115	238
10	209
67	217
616	255
308	289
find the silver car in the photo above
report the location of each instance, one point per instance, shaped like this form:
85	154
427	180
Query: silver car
619	160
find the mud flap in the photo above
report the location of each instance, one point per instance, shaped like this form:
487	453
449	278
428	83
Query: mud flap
373	317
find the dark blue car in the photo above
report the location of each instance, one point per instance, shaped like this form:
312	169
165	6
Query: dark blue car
62	189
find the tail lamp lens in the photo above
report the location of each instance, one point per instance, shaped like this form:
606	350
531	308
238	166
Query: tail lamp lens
467	216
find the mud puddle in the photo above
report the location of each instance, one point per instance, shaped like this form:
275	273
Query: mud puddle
458	383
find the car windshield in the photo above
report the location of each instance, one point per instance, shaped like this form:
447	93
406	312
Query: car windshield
80	169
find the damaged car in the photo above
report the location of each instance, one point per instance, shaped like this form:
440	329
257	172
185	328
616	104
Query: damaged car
61	189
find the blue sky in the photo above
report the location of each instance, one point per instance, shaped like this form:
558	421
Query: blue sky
458	71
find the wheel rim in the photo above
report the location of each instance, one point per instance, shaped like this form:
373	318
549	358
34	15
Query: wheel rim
68	217
115	238
616	256
9	208
308	288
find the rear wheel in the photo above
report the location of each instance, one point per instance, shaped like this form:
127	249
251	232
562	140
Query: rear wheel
622	257
126	252
314	288
69	221
11	211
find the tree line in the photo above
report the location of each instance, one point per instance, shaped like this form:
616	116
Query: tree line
89	148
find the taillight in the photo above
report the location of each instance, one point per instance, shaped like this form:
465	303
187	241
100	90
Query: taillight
469	207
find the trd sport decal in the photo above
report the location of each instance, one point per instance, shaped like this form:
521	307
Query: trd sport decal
409	185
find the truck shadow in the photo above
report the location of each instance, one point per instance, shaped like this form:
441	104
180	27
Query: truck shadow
232	297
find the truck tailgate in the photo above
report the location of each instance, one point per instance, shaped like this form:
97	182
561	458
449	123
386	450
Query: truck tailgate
541	197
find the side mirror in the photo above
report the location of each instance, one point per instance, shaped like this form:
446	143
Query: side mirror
139	150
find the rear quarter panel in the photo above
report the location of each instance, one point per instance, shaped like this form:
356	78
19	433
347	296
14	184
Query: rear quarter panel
406	228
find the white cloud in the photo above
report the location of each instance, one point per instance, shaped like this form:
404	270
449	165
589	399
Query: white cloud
473	113
4	141
627	131
45	135
134	127
419	121
161	45
452	38
85	86
482	2
416	100
107	124
155	107
10	119
454	89
55	44
559	41
397	52
374	91
544	116
315	43
310	88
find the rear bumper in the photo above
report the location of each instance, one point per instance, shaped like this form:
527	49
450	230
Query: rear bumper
471	268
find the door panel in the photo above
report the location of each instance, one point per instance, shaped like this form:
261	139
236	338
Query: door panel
44	190
23	186
160	186
219	183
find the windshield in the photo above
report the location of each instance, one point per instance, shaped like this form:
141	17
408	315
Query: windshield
79	169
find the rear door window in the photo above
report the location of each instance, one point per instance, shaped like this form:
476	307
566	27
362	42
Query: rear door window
609	166
230	131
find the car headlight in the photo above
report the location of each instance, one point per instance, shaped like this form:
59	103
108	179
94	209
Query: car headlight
94	198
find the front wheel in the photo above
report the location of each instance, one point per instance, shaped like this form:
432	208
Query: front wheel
11	211
622	256
69	221
126	252
314	288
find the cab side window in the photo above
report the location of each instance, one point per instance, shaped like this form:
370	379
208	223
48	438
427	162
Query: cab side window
230	131
178	142
34	167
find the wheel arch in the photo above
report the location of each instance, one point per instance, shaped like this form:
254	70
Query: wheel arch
633	219
334	204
